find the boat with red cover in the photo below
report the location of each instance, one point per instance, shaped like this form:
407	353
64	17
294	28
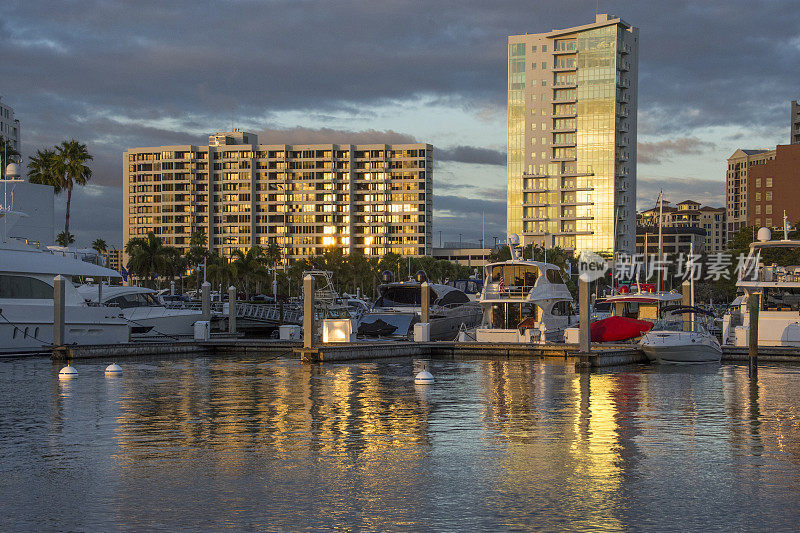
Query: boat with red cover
632	315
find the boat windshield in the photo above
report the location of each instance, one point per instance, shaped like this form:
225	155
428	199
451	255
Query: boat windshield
781	299
517	276
142	299
403	296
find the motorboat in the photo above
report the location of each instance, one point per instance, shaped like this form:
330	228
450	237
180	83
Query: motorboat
524	301
26	298
471	287
632	314
399	307
142	308
681	341
778	291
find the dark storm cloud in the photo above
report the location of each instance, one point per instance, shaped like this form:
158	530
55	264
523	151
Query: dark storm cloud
654	152
124	74
472	155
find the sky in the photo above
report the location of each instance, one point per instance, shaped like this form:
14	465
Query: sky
714	76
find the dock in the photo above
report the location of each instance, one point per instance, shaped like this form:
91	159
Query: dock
600	356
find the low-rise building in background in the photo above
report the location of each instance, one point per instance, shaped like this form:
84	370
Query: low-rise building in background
686	214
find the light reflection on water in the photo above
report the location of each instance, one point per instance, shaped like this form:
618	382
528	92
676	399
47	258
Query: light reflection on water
494	445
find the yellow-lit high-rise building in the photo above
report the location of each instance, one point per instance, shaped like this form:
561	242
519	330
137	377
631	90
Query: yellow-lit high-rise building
371	198
572	100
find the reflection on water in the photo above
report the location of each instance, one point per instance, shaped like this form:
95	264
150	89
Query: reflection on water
494	444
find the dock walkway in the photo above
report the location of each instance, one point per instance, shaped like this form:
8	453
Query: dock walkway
602	355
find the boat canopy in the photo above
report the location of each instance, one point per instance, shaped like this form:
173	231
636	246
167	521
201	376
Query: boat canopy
655	297
32	261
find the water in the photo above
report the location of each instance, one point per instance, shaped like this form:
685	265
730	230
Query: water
208	444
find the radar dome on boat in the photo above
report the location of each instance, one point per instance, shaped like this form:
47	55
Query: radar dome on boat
12	170
420	276
764	234
387	276
513	239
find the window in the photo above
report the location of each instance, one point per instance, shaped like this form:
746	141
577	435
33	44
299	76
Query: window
533	48
554	276
24	288
758	197
769	182
544	83
533	66
769	209
758	182
768	223
544	48
544	65
758	209
768	196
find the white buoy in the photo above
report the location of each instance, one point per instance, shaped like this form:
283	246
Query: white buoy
113	370
67	372
423	378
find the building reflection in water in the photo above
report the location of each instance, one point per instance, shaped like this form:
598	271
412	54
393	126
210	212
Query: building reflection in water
344	439
503	443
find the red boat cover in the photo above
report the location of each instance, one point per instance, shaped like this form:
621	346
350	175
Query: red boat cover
618	328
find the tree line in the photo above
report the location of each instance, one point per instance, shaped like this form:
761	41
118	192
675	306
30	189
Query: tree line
255	269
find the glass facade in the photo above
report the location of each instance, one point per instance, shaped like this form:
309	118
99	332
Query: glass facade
597	52
516	135
571	166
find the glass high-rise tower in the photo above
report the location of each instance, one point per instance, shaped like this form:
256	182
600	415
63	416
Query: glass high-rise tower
572	99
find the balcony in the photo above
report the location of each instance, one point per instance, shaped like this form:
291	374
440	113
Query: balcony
625	49
624	66
566	100
566	85
623	82
562	144
622	140
623	156
622	126
564	158
622	111
623	97
565	68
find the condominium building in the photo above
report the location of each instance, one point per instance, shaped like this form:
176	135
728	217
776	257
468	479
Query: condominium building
9	126
774	189
114	259
736	193
571	171
371	198
687	214
794	123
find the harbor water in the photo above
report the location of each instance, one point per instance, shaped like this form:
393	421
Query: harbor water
238	443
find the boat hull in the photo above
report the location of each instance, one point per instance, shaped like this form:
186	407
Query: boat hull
28	329
681	348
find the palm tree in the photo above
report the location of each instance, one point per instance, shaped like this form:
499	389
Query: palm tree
249	266
65	239
40	169
99	246
70	168
148	256
8	154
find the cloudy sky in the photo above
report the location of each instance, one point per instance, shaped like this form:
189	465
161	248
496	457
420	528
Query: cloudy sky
713	76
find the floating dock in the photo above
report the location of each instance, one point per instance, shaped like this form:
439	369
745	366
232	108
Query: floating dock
600	356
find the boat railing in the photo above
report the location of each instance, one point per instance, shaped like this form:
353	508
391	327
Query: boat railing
510	292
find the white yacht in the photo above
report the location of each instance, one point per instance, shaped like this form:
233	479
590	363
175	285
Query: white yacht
681	341
778	289
26	298
399	307
523	300
147	315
